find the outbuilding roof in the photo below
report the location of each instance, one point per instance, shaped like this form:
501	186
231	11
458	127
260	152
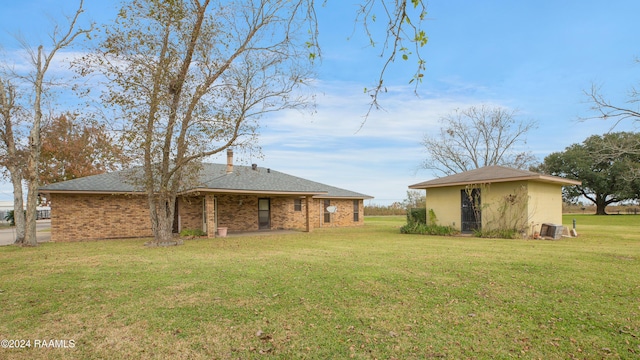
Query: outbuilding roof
492	174
212	178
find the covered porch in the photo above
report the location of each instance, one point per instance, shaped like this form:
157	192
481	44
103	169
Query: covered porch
244	212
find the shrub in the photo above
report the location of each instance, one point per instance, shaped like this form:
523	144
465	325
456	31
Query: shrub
433	219
417	215
424	229
416	224
10	217
497	233
192	232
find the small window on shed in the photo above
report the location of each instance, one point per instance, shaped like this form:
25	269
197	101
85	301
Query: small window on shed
297	205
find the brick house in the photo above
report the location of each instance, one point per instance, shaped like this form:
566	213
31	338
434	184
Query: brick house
240	198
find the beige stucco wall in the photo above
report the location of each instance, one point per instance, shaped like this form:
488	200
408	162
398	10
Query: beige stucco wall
445	203
542	203
545	205
495	211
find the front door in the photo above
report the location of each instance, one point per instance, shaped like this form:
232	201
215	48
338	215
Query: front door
264	214
470	210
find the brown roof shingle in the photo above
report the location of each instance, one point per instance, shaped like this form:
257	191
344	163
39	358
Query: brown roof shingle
491	174
213	177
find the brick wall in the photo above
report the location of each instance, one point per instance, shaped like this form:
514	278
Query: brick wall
244	217
238	212
190	212
284	215
343	216
87	217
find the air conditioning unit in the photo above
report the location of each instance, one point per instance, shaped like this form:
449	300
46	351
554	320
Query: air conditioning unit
553	231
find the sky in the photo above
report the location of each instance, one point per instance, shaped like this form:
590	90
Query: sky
536	57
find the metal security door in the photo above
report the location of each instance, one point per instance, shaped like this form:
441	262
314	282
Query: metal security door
470	210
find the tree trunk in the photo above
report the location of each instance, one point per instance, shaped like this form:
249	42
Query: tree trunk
18	206
30	238
601	205
30	172
7	104
162	212
35	146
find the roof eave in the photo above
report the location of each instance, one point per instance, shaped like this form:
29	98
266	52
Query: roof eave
91	192
253	192
539	178
364	197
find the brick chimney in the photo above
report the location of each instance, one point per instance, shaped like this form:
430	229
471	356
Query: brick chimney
229	161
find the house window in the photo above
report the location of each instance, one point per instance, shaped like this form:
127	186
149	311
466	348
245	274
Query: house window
297	205
327	214
356	210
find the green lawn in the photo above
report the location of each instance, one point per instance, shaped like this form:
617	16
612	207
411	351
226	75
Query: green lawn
362	293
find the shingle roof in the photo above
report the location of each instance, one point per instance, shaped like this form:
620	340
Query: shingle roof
213	177
491	174
115	182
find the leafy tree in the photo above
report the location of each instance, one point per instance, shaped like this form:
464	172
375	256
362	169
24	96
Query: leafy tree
71	149
404	36
22	114
478	137
607	176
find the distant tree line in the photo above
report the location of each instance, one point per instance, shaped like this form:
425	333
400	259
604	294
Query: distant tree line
415	199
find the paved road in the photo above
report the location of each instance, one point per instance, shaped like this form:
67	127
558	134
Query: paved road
43	227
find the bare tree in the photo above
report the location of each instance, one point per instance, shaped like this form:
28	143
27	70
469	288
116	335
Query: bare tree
190	79
478	137
629	111
27	168
12	157
606	110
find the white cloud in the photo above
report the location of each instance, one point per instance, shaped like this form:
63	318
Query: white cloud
380	158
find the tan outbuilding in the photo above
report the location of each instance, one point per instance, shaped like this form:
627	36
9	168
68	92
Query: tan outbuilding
495	197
